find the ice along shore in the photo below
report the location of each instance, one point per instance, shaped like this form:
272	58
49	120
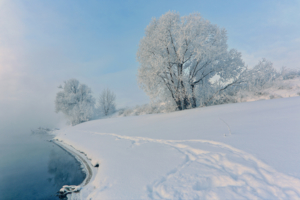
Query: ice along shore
73	191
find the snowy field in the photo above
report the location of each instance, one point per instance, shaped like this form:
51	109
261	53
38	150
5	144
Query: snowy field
235	151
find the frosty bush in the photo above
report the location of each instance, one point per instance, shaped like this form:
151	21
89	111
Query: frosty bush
262	75
287	73
152	108
75	101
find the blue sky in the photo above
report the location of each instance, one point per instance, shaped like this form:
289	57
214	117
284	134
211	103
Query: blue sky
43	43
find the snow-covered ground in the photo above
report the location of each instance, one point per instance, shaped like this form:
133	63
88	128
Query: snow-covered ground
186	155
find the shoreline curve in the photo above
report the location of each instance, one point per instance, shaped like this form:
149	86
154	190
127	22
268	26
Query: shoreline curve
82	159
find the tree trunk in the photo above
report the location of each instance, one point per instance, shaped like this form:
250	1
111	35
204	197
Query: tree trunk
186	102
178	103
193	100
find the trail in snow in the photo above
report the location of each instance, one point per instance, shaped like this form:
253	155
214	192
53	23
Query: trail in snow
215	170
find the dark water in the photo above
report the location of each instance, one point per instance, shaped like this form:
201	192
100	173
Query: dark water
32	168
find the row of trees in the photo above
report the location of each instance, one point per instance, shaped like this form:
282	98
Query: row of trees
254	85
76	102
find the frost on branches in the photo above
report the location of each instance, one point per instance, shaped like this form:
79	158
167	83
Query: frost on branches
262	75
107	102
75	101
179	56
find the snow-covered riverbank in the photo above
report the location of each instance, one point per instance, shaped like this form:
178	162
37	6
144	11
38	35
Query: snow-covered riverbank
187	155
90	171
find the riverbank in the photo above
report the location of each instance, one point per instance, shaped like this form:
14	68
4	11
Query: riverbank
234	151
74	192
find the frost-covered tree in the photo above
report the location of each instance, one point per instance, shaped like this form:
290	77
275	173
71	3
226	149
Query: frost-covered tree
262	75
287	73
75	101
178	54
107	102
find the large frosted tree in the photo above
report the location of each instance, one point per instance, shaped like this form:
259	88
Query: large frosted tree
75	101
177	54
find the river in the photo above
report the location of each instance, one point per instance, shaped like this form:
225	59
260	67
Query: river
33	168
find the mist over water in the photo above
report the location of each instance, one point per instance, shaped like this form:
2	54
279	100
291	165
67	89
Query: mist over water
31	167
